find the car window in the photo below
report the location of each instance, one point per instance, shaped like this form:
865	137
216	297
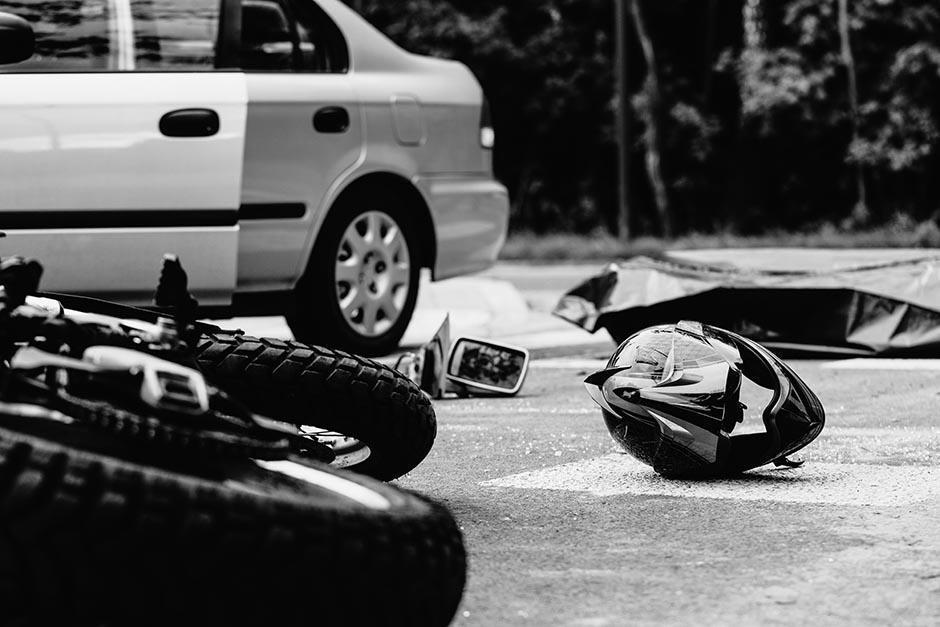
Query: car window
175	34
323	48
269	39
290	35
118	35
70	36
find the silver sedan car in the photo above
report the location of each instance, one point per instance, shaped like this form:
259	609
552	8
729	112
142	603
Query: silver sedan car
294	158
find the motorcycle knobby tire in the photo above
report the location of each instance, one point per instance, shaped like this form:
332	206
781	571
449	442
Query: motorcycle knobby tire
95	536
331	389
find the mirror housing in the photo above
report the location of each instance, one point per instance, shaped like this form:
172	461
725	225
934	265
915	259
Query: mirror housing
434	357
465	365
17	41
488	366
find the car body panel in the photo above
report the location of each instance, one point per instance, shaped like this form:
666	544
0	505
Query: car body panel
92	141
84	151
124	264
470	220
369	49
447	98
287	161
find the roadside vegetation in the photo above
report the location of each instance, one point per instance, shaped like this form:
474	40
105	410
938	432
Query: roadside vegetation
751	117
601	246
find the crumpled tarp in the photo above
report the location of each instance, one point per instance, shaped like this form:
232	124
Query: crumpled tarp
886	309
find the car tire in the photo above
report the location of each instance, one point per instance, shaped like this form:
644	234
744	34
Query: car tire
361	284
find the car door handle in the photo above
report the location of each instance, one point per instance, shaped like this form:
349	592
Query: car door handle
331	120
190	123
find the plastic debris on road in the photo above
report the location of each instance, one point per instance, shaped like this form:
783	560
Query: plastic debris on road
885	309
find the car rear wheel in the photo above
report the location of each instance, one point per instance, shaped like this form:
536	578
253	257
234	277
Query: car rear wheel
361	285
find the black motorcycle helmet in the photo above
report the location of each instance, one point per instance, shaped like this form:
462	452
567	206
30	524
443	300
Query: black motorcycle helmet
670	396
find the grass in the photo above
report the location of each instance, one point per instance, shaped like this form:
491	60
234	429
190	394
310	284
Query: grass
900	232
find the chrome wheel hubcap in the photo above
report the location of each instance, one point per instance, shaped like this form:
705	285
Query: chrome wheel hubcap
373	273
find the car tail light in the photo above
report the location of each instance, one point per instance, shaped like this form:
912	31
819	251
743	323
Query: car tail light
487	134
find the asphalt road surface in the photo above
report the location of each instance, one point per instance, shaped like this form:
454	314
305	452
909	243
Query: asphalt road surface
563	529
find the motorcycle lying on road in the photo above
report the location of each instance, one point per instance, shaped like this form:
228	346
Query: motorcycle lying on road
134	491
377	421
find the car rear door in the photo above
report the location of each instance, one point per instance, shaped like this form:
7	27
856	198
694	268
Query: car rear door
304	132
120	141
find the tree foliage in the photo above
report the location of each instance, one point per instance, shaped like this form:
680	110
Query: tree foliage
757	132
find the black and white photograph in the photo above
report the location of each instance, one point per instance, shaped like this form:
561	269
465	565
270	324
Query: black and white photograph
577	313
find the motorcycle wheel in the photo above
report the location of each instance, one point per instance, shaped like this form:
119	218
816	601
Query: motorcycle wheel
95	531
313	386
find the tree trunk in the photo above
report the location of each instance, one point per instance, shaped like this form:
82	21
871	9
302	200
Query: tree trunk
520	205
710	24
740	193
653	121
860	213
624	115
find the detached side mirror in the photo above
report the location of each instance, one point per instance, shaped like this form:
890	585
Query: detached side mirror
487	366
465	365
17	41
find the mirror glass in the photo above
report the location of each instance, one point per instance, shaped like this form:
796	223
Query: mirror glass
488	365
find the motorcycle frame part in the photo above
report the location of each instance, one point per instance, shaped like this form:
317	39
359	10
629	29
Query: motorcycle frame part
164	385
91	305
154	388
161	332
52	397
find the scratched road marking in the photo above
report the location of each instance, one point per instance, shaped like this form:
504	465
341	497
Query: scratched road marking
867	363
825	483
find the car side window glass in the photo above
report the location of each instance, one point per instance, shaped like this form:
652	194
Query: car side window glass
290	35
118	35
268	39
322	46
70	36
175	34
